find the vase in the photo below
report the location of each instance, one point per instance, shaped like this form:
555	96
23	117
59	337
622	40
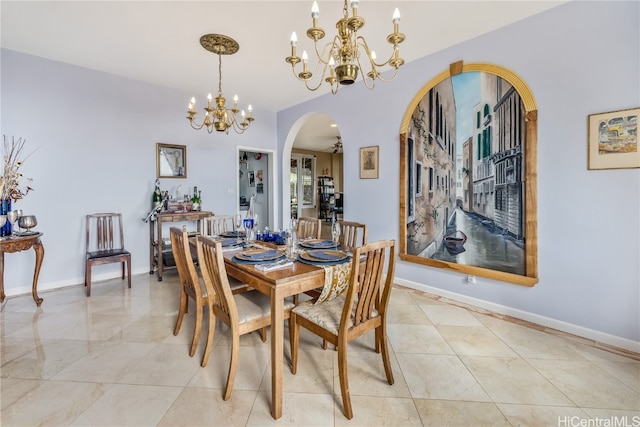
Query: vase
5	208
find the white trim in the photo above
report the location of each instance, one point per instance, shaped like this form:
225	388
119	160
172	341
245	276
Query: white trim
559	325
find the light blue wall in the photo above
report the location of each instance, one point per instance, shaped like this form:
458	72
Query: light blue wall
578	59
95	138
96	135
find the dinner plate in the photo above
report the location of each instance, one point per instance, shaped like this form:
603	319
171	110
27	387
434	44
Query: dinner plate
318	244
233	234
333	255
253	255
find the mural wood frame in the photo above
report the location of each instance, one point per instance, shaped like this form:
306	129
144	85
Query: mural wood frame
495	165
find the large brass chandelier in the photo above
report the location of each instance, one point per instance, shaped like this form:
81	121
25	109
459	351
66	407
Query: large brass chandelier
339	60
219	117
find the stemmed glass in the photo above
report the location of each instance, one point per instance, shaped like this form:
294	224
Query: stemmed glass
238	222
335	232
3	221
13	218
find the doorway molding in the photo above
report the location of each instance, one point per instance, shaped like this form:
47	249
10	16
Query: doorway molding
286	161
272	188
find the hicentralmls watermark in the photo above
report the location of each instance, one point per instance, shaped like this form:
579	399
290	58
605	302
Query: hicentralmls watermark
615	421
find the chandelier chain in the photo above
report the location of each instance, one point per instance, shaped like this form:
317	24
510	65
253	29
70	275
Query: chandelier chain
219	75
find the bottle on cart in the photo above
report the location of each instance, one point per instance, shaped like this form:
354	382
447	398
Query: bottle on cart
157	196
195	200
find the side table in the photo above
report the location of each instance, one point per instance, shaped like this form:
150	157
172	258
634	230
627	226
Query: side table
17	244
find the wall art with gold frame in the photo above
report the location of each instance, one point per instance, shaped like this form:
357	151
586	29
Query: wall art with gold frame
613	140
468	175
171	161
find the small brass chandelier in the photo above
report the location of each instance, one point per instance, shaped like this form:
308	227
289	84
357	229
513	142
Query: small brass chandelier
339	61
220	117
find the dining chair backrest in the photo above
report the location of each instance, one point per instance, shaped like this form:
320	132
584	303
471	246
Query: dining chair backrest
218	224
104	232
352	235
215	278
309	228
187	272
367	295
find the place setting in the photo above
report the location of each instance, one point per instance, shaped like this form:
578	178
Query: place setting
326	257
264	259
319	244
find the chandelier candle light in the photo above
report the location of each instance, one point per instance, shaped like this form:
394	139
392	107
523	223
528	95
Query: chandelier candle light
220	117
340	60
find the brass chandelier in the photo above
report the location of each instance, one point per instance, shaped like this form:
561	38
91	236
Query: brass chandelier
219	117
340	60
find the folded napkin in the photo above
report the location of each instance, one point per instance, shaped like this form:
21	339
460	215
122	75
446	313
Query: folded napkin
325	256
322	244
261	255
230	242
231	248
233	234
273	266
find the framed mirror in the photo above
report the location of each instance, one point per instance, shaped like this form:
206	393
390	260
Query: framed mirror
468	153
171	161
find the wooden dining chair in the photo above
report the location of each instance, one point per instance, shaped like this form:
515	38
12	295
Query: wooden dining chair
191	285
105	245
242	313
217	224
309	228
352	234
362	308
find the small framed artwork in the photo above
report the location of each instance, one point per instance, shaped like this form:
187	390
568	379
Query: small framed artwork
252	179
613	140
369	165
171	161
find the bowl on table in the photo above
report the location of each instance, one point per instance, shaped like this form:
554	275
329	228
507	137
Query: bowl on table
27	221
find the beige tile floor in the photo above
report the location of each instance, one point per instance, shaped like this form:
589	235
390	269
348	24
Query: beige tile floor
112	360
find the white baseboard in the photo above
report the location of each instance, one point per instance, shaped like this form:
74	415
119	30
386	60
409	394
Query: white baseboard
548	322
50	286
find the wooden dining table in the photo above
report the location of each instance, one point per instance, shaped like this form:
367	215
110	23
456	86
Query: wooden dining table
277	284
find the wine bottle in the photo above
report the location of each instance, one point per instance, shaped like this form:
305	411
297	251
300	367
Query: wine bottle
157	196
195	200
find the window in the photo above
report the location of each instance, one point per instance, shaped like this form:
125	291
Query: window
304	177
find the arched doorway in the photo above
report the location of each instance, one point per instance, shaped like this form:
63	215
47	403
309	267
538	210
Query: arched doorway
312	154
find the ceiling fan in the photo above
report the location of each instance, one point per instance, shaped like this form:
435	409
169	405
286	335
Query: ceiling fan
337	147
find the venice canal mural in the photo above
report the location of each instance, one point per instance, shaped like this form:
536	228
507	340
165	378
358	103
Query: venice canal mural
465	174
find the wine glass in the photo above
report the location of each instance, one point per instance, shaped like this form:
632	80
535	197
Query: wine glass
238	222
13	218
19	215
3	221
255	220
335	232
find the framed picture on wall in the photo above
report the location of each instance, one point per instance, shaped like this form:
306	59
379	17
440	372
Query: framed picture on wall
252	179
369	166
613	140
171	161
